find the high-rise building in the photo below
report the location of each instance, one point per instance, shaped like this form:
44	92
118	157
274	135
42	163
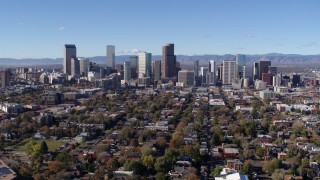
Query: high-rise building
256	67
127	71
267	78
220	71
84	66
273	70
144	64
211	76
157	70
203	74
168	64
134	66
240	63
75	66
186	77
196	68
70	51
228	71
247	72
263	67
4	78
111	56
295	80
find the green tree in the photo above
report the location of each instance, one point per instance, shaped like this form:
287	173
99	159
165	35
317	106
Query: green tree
43	147
270	166
163	164
148	161
216	172
36	157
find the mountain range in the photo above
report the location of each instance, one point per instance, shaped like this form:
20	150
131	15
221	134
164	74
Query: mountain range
275	58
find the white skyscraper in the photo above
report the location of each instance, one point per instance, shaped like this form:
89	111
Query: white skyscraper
111	56
241	63
127	71
144	64
229	71
84	65
211	75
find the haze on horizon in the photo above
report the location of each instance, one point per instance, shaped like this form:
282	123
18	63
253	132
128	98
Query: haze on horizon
38	29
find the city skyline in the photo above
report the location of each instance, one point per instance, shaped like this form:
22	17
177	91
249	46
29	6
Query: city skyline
214	27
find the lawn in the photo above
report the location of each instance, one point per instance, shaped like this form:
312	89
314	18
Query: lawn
24	146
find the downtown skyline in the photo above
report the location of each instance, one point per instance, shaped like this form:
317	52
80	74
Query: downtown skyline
38	30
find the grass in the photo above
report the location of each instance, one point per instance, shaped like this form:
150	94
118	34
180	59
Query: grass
24	146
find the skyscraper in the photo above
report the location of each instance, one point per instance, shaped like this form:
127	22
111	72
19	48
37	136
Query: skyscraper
127	71
203	74
144	64
168	64
196	68
256	67
70	51
211	75
4	78
84	66
186	77
229	71
111	57
157	70
75	66
263	67
240	63
134	66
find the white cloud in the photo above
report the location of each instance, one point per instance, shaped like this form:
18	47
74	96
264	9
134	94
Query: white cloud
61	28
133	51
248	36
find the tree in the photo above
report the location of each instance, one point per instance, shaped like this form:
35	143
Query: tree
36	157
247	167
216	172
54	167
43	147
148	161
64	158
163	164
271	166
161	176
278	174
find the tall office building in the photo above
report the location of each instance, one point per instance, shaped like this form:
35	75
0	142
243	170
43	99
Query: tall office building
111	56
229	71
144	64
84	64
220	71
196	68
4	78
256	67
263	67
247	72
273	70
240	63
211	75
134	66
70	51
157	70
75	66
186	77
203	74
127	71
168	64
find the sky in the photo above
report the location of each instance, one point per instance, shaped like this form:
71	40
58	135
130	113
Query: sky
40	28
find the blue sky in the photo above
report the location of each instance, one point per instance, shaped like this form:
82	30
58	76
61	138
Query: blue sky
40	28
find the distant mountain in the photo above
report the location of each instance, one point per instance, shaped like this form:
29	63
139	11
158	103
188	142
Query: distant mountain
275	58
